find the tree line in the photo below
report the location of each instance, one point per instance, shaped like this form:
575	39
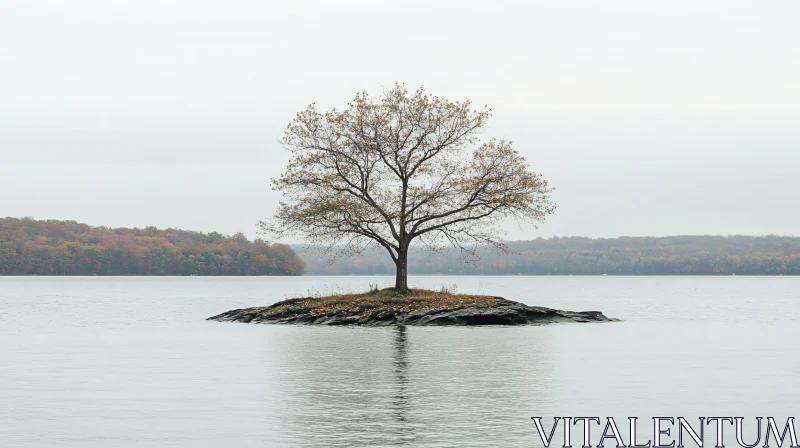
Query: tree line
50	247
672	255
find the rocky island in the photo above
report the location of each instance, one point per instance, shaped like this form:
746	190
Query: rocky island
420	307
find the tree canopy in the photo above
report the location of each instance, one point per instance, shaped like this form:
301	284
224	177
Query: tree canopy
402	168
28	246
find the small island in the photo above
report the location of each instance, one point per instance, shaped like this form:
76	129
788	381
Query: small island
385	307
405	171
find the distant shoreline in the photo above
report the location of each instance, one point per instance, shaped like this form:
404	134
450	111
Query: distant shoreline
67	248
671	255
60	248
411	274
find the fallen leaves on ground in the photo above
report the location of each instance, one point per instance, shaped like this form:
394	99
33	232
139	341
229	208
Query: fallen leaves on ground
418	299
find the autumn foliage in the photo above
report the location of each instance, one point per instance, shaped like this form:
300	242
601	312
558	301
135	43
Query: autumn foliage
29	246
405	170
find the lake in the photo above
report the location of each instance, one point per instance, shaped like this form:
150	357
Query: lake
131	362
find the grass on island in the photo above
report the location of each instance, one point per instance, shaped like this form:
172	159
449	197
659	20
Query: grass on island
387	298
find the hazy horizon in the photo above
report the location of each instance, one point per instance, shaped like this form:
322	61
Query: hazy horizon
677	118
301	243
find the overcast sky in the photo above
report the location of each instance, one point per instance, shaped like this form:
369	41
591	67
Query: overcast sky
649	118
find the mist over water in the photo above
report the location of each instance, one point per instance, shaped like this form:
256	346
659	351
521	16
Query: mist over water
131	362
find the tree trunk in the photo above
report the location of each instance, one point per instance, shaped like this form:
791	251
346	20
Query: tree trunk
401	279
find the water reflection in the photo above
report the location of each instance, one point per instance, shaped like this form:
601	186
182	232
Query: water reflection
413	386
400	404
340	387
162	375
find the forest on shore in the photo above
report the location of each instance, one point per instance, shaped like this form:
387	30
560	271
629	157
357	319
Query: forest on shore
671	255
50	247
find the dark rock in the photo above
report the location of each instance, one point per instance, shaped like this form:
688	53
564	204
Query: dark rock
384	315
504	312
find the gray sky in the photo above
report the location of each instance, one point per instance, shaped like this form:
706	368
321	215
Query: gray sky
649	118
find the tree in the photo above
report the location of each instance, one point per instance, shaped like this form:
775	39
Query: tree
405	167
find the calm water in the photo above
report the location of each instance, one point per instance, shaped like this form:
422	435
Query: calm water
131	362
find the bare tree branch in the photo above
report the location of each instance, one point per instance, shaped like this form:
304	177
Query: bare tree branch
407	167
